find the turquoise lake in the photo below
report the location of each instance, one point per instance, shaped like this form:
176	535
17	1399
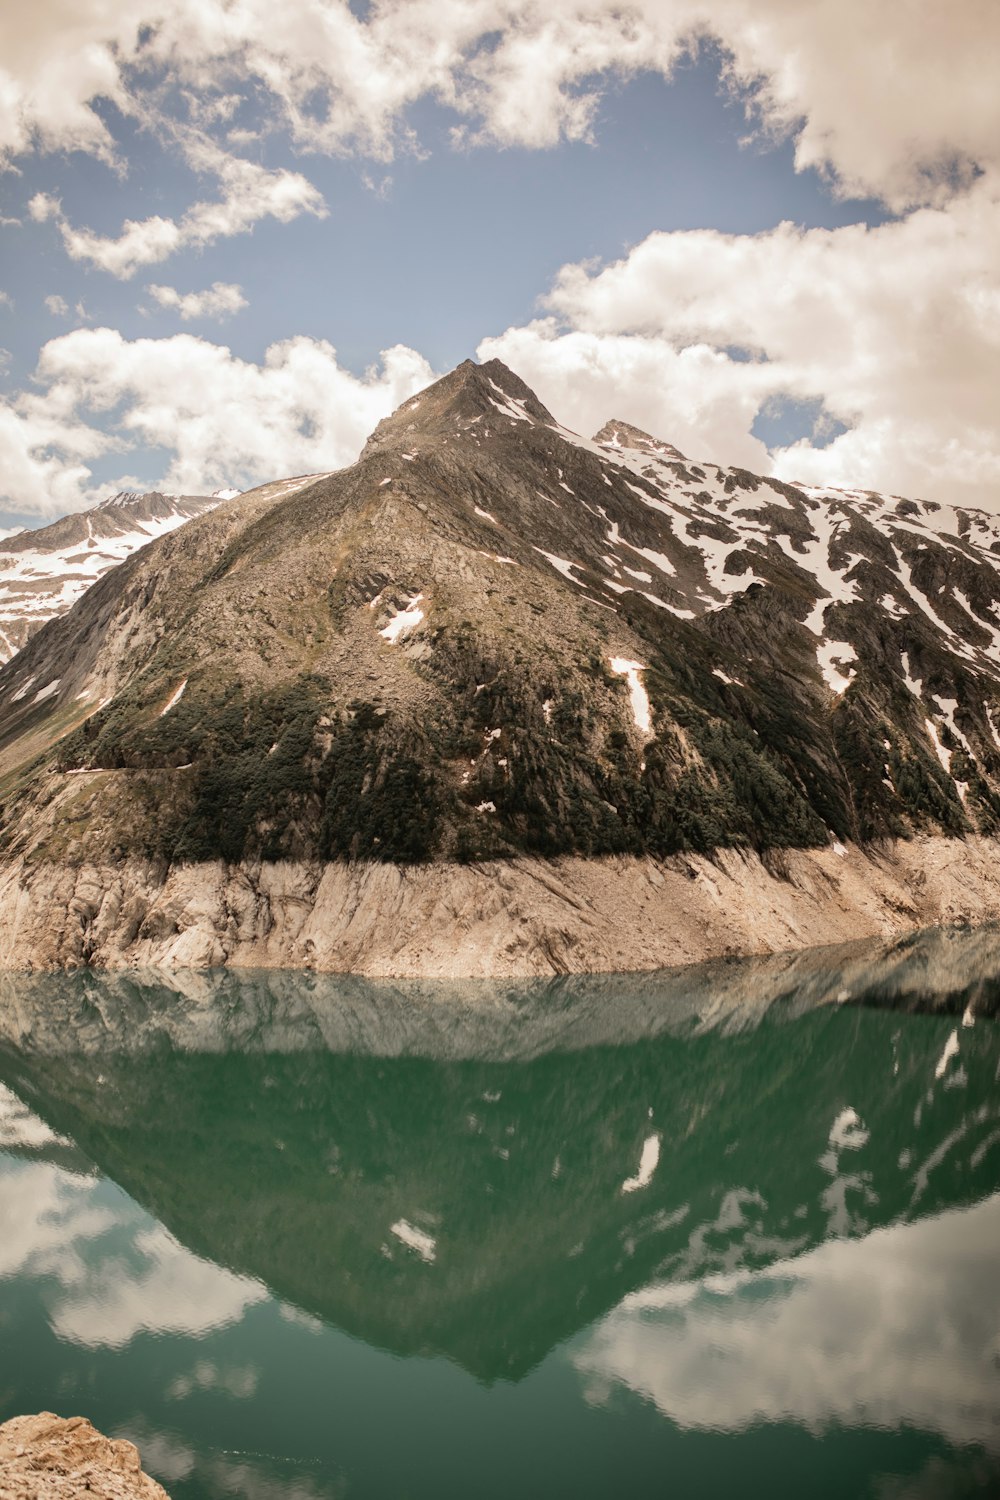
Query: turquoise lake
727	1231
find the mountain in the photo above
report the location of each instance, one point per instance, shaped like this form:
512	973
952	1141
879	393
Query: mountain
492	640
43	573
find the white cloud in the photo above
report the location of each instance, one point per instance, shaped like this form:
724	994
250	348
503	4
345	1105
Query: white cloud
44	206
221	300
6	300
919	110
249	193
694	396
223	419
895	330
57	306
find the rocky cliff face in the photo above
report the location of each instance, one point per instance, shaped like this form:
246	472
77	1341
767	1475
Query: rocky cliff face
492	639
523	916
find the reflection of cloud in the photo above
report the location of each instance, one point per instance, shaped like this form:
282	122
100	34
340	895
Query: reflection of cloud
48	1217
174	1292
899	1328
301	1319
949	1478
52	1223
20	1128
232	1380
170	1460
163	1454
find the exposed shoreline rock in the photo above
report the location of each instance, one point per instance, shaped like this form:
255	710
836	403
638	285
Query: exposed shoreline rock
65	1458
525	917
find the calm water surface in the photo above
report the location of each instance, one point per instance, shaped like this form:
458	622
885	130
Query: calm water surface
731	1232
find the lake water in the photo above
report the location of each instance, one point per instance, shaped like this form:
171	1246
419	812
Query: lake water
733	1231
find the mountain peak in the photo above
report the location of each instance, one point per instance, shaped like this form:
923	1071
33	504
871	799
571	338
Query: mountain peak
126	497
466	395
616	434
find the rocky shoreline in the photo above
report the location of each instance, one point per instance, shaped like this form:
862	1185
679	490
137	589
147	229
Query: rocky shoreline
45	1457
499	919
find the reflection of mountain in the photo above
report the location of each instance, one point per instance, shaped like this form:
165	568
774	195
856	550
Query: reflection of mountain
947	969
479	1207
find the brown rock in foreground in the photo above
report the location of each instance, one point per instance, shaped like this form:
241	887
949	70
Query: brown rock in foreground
64	1457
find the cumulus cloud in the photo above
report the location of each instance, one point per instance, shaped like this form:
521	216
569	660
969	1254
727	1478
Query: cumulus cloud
57	306
249	192
893	100
6	300
892	331
221	300
224	420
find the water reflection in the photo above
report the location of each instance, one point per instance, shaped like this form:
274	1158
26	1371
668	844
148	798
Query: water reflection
903	1328
735	1197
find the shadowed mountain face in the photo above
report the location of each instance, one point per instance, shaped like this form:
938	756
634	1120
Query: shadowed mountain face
491	636
481	1175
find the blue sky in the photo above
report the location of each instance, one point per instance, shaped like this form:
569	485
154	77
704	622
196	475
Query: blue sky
609	224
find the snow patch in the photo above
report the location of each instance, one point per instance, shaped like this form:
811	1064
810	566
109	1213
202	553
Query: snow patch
950	1051
831	656
935	739
403	621
415	1239
640	698
914	684
561	565
175	698
848	1131
648	1162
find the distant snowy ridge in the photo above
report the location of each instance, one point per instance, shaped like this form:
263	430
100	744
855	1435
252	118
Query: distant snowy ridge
43	573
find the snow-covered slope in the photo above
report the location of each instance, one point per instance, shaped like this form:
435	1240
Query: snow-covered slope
43	573
722	530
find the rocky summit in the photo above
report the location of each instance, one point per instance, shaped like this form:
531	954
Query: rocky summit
492	639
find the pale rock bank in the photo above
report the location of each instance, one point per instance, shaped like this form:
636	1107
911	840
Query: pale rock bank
46	1457
523	917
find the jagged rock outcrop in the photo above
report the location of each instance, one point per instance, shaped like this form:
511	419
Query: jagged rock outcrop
46	1457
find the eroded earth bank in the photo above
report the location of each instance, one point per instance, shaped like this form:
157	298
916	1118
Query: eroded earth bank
521	917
